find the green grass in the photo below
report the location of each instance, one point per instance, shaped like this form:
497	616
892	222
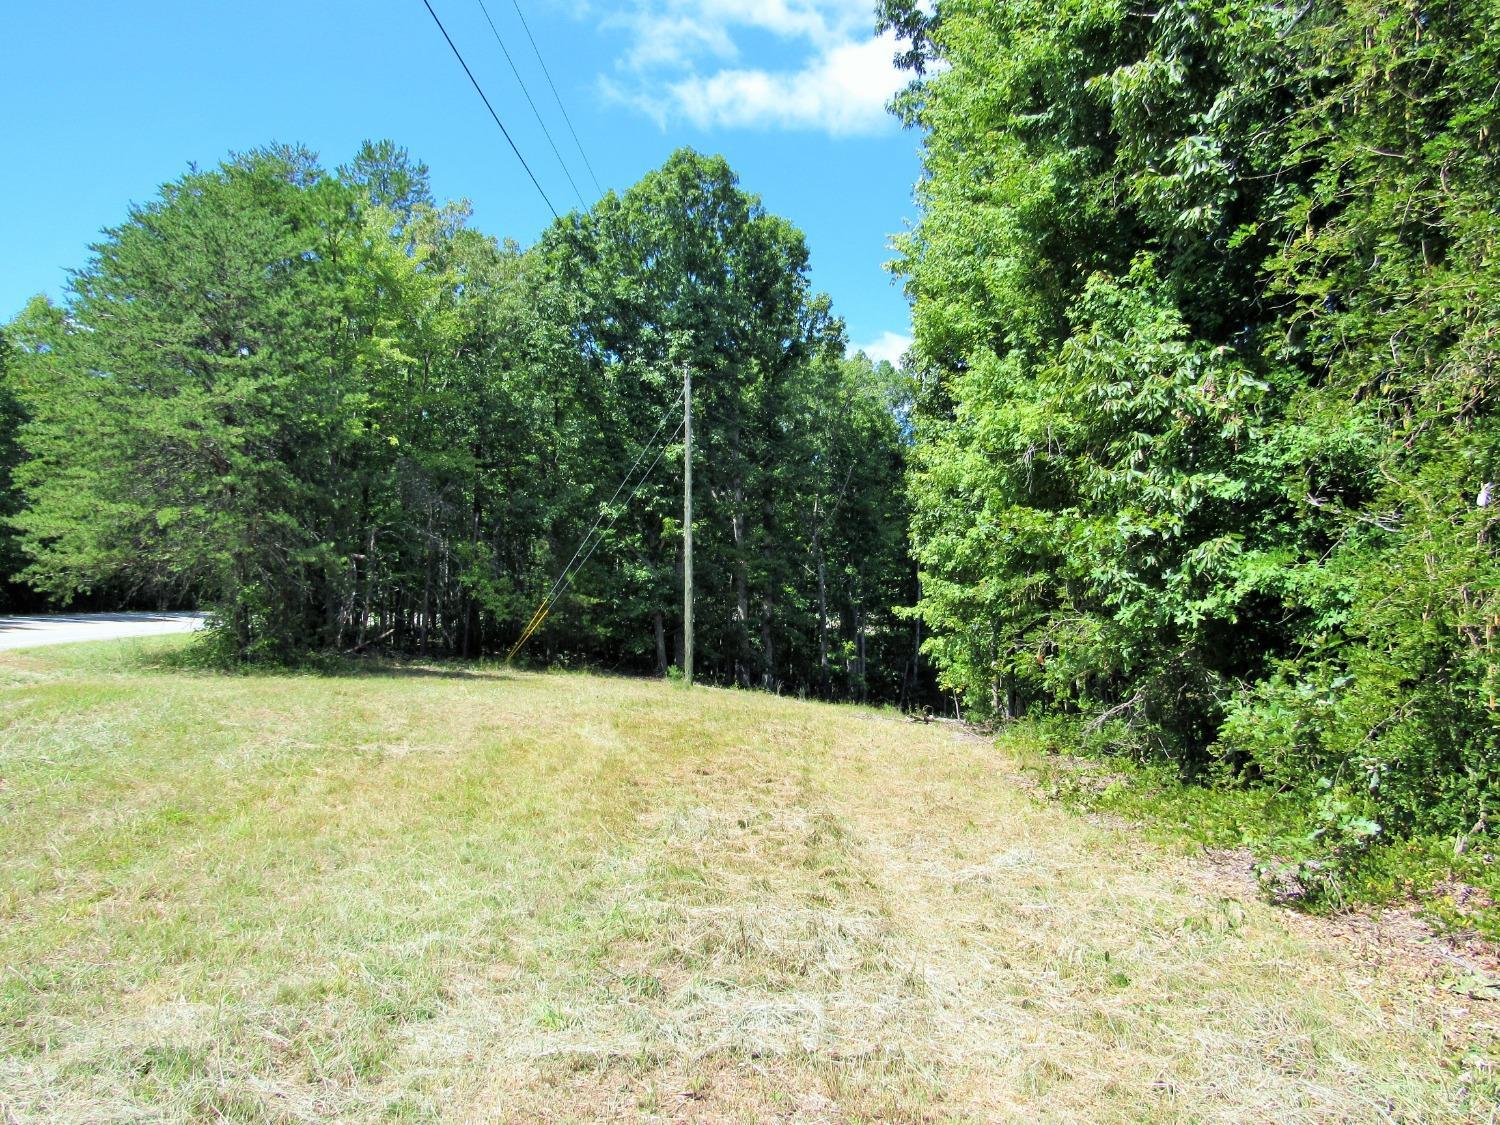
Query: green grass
411	893
1278	827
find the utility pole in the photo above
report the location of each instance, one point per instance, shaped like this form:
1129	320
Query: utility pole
687	524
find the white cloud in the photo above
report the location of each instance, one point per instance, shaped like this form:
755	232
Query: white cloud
683	60
889	346
842	91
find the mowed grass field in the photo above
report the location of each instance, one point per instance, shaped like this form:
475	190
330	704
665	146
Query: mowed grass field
470	894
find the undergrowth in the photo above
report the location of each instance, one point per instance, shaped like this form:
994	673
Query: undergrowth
1314	848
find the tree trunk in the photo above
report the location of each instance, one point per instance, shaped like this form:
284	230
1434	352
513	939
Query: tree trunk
767	643
427	592
859	653
677	655
911	672
823	685
741	593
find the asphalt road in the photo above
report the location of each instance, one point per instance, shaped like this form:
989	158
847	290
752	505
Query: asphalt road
63	628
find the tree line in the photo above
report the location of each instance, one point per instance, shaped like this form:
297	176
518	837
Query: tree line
1197	448
1207	302
325	406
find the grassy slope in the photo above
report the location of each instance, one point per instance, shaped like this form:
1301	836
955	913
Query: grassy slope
476	894
1456	889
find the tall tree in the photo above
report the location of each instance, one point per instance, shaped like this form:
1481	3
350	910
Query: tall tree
687	269
11	416
389	176
334	412
1204	329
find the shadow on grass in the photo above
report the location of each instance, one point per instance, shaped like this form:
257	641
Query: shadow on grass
202	656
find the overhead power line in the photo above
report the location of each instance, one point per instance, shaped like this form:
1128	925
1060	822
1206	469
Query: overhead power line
480	91
564	580
522	82
608	504
590	542
563	109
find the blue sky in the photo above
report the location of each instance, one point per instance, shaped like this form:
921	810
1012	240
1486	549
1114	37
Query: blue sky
106	100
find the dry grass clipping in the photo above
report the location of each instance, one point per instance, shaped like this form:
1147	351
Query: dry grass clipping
491	896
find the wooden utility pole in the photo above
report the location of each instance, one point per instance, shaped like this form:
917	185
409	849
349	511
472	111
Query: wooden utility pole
687	524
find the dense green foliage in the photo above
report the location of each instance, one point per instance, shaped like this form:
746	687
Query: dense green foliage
330	409
1201	452
11	417
800	546
1206	313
